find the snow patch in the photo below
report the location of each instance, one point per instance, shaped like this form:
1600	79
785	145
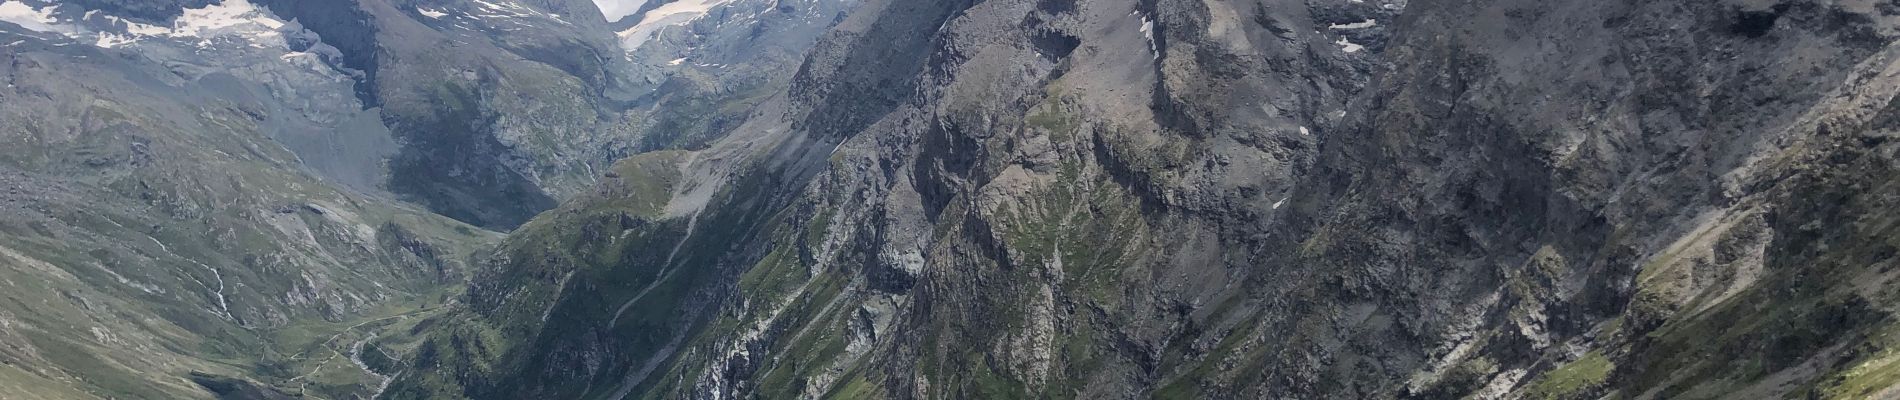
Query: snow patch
228	17
1356	25
498	7
1304	131
139	29
512	10
1348	46
236	19
676	61
1148	31
672	14
40	20
505	11
110	40
435	14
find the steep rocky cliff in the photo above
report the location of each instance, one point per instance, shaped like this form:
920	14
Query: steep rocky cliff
1240	199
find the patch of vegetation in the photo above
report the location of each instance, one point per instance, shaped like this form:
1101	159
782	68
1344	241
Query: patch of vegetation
988	383
1864	380
773	277
1060	125
857	388
1187	384
809	355
1590	371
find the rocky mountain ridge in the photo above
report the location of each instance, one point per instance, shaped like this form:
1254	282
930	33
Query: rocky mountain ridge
1213	199
951	199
